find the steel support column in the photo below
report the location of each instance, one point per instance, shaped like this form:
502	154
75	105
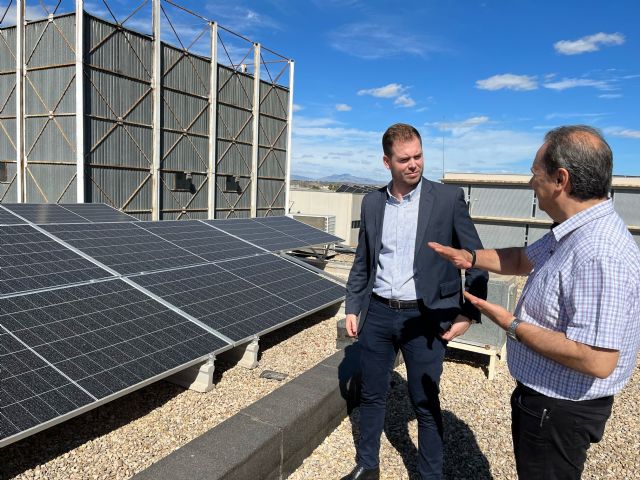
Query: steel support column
213	123
287	178
20	159
256	127
156	85
80	101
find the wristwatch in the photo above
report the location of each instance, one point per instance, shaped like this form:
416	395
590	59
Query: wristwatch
473	256
511	331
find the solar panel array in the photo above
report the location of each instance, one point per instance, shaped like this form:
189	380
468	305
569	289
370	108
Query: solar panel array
344	188
96	304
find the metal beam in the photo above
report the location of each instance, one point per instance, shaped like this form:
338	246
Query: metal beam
156	85
256	126
213	122
80	101
20	163
287	178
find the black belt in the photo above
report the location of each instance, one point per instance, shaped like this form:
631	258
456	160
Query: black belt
396	304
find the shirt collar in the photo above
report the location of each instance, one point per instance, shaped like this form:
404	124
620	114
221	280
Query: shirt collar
582	218
413	195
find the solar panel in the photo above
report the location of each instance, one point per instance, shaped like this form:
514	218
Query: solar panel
30	260
200	239
125	247
46	213
8	218
274	233
33	392
246	297
95	340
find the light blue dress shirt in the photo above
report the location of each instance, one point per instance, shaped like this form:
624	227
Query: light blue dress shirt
394	275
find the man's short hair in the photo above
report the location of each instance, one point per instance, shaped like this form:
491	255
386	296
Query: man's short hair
398	132
585	154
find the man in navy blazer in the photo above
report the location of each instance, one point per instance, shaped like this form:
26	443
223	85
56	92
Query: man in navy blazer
407	297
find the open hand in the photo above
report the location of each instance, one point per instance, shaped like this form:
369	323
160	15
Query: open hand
459	326
460	258
500	315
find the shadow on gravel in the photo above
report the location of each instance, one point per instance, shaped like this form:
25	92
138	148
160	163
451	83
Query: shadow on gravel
463	459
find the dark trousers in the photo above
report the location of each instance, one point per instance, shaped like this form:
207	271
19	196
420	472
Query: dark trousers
385	331
551	436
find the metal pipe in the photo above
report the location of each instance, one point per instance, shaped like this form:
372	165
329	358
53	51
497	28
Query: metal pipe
287	179
80	101
213	123
256	126
20	160
156	84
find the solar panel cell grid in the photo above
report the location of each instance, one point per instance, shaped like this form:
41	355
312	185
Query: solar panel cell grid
48	213
30	260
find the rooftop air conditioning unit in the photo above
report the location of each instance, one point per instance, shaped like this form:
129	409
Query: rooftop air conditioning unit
326	223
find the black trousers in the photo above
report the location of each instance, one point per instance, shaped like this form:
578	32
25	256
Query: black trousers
551	436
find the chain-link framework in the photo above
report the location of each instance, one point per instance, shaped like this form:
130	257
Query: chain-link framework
194	126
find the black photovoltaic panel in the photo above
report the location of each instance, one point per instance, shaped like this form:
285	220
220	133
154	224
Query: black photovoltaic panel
275	233
245	297
124	247
33	392
30	260
8	218
47	213
98	212
105	337
208	243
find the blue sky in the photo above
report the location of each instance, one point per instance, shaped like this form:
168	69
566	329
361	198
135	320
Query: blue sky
487	78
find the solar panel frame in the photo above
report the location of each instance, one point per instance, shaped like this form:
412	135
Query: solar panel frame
8	218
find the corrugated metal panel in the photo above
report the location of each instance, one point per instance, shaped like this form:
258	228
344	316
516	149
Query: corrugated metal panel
500	236
272	132
111	96
536	233
124	51
179	200
115	186
627	204
271	194
7	49
8	139
49	140
188	73
498	201
125	146
234	124
50	90
50	42
188	153
272	163
47	183
274	100
235	88
227	201
233	158
8	188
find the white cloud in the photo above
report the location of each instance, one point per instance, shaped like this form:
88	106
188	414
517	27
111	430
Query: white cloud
388	91
508	81
594	115
458	128
343	107
404	101
610	95
567	83
623	132
373	41
590	43
297	107
481	150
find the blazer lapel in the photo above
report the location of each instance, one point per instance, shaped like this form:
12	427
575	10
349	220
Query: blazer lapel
379	218
427	201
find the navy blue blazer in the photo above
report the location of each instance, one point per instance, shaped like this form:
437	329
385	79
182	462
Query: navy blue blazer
444	218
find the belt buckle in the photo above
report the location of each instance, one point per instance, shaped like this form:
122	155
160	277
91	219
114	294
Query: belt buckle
395	304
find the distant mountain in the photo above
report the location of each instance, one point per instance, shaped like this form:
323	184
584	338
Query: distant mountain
346	178
301	177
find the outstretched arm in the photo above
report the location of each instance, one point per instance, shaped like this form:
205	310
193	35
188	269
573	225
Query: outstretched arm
507	261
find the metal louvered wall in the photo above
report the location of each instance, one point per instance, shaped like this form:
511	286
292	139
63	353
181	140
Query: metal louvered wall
143	146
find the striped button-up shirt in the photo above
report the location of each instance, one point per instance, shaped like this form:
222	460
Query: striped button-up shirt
394	275
585	282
